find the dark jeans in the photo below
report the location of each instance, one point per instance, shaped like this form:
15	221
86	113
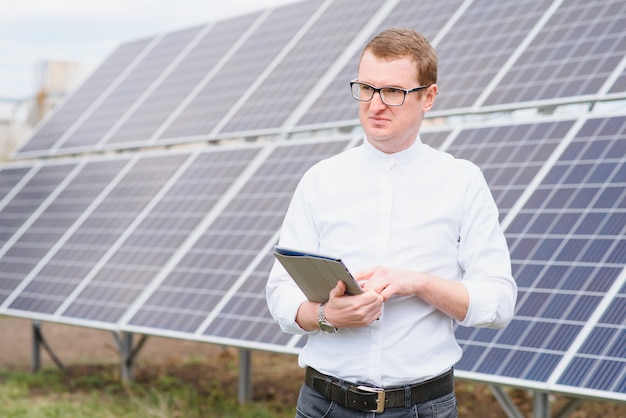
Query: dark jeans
313	405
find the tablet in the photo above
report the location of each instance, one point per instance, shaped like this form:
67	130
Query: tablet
316	274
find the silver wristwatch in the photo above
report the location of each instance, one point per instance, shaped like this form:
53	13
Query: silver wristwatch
323	322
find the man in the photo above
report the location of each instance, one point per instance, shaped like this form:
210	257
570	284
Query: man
421	231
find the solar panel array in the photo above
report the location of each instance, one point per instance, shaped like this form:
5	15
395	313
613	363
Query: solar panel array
177	242
568	248
288	69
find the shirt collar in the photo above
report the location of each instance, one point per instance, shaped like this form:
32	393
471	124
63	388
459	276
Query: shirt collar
399	158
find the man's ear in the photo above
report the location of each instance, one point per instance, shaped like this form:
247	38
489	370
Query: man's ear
429	97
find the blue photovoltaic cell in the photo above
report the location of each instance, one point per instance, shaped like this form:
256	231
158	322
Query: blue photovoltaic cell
191	291
510	156
202	115
93	129
336	102
568	247
160	234
14	262
479	44
51	130
296	75
573	54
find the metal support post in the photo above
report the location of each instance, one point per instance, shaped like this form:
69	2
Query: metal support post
245	376
36	352
541	405
38	342
127	352
505	401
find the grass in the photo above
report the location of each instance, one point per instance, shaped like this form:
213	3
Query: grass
52	393
207	387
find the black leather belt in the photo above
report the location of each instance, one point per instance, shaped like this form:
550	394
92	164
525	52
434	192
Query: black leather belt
372	399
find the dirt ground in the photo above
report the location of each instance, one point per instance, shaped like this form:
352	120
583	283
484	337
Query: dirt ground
276	377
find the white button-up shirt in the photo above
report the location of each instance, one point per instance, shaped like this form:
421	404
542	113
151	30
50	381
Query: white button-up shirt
419	209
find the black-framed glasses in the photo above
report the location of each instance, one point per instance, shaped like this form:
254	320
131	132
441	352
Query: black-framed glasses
391	96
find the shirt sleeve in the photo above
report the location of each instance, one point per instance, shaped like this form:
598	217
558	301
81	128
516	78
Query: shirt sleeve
283	296
485	259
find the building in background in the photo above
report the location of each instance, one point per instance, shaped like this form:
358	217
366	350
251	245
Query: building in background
54	80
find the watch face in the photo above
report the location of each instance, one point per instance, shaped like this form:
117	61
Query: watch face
326	327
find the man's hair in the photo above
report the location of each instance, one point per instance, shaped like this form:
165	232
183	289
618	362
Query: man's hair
399	43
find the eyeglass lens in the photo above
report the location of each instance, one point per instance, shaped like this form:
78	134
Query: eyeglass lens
389	96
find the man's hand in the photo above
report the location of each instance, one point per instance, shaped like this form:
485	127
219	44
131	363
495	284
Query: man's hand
341	310
388	282
344	311
450	297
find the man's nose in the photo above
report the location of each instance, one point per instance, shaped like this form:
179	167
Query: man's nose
377	101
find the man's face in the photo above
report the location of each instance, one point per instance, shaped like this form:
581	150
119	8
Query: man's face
392	128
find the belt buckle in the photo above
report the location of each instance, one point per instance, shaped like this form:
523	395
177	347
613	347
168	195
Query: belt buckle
380	400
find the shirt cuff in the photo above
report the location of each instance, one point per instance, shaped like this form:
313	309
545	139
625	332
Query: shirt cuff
486	306
288	310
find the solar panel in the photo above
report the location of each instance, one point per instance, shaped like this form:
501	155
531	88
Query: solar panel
111	287
619	87
80	226
510	156
188	300
234	81
157	58
599	364
16	216
89	93
567	246
434	138
573	55
477	46
298	72
10	177
149	112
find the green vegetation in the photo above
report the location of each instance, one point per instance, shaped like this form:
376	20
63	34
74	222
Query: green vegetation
207	388
100	394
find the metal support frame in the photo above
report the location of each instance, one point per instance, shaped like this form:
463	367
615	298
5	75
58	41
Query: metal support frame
244	393
124	343
38	342
569	408
541	404
505	401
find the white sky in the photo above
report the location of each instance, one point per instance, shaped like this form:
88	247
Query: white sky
87	31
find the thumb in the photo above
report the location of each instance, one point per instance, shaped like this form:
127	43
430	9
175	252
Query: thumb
338	290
